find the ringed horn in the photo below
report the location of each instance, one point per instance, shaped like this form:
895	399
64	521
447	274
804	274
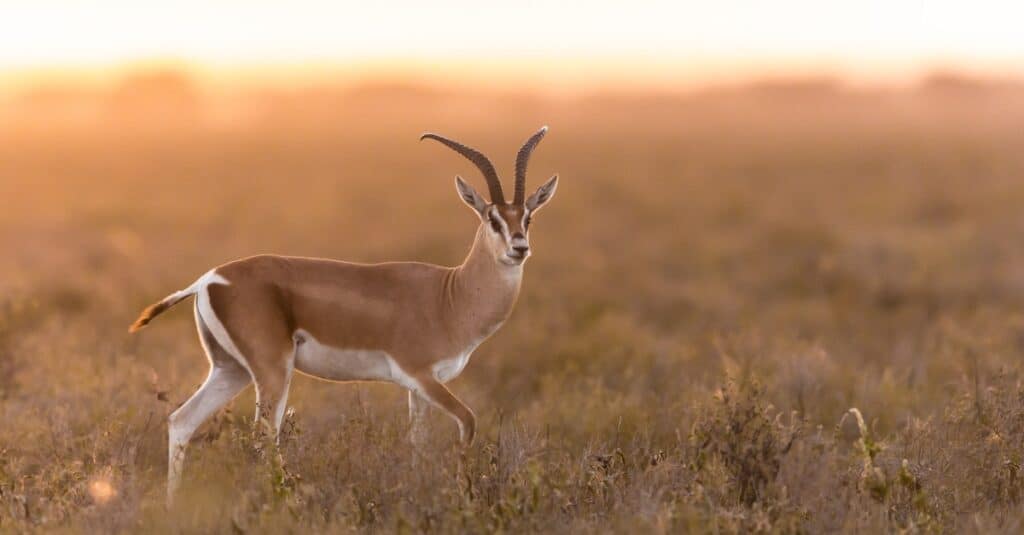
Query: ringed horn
522	159
481	161
487	168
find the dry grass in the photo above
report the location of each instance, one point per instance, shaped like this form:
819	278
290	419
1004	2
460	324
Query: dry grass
719	281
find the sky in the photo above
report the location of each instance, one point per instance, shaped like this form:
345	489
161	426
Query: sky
596	39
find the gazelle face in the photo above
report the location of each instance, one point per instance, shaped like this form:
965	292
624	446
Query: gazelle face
507	226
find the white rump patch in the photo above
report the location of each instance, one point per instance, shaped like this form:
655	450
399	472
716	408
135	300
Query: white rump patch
205	310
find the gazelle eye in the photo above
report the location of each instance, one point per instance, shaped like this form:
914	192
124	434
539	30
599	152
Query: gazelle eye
526	223
495	226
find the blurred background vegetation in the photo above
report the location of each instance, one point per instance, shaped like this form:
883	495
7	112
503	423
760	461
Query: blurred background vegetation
724	274
781	288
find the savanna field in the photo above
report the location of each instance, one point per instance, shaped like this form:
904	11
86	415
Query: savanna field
722	277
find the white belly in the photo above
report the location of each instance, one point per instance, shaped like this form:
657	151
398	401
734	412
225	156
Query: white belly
342	364
347	364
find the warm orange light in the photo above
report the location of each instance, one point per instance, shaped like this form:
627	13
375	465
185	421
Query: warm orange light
663	40
102	490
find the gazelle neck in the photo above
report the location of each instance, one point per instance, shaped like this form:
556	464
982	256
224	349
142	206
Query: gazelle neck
482	290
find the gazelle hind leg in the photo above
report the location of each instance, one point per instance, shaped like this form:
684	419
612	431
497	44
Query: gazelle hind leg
262	342
272	387
221	386
226	379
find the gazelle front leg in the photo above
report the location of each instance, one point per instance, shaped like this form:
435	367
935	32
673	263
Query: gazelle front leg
419	409
434	391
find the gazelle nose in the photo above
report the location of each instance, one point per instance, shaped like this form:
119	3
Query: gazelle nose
521	249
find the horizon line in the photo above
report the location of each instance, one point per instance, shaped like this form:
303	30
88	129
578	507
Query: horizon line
555	73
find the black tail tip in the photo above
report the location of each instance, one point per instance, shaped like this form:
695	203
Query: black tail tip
147	316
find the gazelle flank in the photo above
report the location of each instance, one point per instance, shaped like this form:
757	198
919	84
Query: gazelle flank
412	324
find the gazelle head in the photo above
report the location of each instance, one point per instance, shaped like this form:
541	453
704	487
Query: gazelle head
506	224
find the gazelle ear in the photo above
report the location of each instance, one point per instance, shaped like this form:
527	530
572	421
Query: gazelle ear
542	195
470	196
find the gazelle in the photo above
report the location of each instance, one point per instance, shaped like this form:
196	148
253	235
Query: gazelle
408	323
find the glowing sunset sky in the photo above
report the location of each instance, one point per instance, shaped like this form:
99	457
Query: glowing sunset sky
660	40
